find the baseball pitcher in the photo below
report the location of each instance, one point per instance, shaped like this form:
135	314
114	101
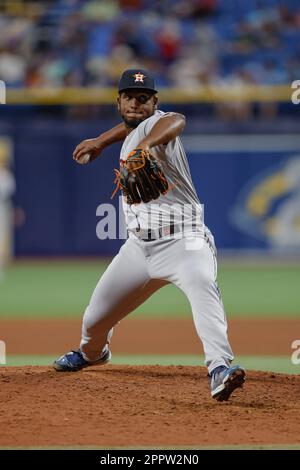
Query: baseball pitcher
167	239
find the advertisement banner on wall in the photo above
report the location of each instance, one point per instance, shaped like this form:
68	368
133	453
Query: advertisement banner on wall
250	185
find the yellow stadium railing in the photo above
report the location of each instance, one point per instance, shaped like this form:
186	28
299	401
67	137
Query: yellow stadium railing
98	96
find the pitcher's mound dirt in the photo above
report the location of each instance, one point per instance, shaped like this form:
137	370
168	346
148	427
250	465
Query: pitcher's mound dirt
149	406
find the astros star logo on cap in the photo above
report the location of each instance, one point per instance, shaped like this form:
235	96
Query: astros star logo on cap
139	77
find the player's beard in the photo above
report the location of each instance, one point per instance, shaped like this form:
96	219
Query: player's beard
132	123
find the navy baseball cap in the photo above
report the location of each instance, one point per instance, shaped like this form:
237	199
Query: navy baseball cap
138	79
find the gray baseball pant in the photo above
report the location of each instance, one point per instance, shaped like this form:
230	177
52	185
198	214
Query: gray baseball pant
141	268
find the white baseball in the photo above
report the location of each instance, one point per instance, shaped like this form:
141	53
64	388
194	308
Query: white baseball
85	158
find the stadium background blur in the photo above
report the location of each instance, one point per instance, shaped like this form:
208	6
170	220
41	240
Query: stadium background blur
228	66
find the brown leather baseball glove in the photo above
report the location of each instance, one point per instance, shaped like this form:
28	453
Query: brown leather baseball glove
141	178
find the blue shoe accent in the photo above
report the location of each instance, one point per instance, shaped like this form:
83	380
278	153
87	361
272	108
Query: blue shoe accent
73	361
225	380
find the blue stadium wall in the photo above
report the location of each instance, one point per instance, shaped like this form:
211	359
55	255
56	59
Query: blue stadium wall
249	185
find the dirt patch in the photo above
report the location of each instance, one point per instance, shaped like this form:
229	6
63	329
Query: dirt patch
149	336
134	406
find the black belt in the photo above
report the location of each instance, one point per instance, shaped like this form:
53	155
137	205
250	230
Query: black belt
148	235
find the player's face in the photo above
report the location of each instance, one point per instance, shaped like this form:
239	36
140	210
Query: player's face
135	106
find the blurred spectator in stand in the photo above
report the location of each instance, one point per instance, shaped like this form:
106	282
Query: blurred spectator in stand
121	58
169	41
204	8
131	4
12	67
237	109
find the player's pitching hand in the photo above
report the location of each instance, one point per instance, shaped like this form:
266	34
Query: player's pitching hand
87	151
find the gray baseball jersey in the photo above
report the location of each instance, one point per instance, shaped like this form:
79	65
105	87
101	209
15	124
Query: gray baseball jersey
181	203
186	259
